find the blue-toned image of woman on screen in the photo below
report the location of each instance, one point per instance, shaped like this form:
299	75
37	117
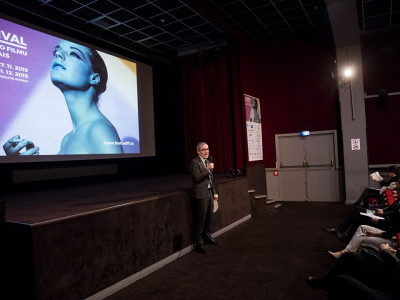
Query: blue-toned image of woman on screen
81	75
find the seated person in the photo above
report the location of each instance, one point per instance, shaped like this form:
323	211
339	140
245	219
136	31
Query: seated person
393	174
355	219
357	277
369	236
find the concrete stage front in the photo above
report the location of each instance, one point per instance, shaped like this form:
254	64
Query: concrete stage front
85	241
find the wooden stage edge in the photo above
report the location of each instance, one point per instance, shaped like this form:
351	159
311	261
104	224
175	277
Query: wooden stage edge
52	204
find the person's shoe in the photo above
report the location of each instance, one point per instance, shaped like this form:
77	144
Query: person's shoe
338	254
342	237
200	249
315	282
331	230
211	241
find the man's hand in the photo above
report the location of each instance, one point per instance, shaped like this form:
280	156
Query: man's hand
216	197
379	212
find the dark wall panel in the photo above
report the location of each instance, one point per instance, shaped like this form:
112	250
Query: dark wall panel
293	80
381	71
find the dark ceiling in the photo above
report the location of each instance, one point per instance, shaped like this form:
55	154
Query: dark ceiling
168	28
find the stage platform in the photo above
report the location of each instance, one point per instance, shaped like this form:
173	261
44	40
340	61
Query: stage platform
76	241
46	205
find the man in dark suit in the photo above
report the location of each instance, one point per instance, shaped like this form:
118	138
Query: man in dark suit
204	194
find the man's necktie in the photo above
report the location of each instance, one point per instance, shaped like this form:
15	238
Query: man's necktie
210	173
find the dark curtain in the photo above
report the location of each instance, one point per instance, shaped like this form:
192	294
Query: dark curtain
209	107
237	100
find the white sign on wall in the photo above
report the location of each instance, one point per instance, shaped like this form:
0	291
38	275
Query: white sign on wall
253	124
355	144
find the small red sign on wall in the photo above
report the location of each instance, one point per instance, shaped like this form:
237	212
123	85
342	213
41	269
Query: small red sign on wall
276	173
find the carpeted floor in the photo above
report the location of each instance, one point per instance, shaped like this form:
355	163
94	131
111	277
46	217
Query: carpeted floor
266	257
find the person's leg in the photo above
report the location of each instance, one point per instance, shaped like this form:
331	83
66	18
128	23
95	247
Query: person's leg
347	287
360	199
361	235
370	273
358	220
351	218
207	220
375	242
201	210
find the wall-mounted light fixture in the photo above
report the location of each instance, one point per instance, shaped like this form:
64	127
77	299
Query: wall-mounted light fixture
345	80
348	72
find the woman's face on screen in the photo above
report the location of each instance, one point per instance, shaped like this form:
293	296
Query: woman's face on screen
71	67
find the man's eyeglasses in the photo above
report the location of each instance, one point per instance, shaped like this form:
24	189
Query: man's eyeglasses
202	150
